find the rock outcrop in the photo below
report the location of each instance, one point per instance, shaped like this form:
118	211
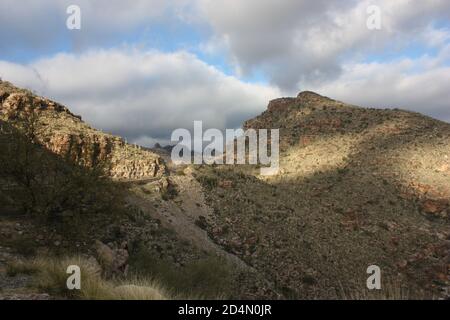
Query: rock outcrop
66	135
114	261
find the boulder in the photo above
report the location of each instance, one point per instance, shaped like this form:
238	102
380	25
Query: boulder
113	261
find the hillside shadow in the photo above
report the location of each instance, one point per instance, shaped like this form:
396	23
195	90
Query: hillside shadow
317	235
38	184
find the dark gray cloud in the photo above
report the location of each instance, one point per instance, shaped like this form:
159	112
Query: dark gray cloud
300	43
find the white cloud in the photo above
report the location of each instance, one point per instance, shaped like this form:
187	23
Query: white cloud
319	45
418	85
307	42
142	94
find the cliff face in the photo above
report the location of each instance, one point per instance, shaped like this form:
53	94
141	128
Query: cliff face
66	135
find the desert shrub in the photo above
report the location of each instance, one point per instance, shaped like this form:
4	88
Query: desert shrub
201	223
23	246
180	172
169	193
14	268
210	182
205	278
48	186
209	277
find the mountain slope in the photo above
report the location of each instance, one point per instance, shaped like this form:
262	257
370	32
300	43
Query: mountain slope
356	187
68	189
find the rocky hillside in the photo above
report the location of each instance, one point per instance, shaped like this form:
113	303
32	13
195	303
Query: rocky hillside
410	149
142	224
356	187
66	135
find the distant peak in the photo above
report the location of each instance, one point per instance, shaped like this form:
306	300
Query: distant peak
309	98
307	95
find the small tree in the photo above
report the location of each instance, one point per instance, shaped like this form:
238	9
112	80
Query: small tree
19	161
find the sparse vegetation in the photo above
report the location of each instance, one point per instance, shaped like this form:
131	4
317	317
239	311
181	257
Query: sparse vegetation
391	290
356	187
343	177
50	276
207	278
46	186
24	246
169	192
208	181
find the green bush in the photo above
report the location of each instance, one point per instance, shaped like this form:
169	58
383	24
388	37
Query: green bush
206	278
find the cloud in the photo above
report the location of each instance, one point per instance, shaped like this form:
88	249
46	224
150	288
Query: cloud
142	95
318	45
40	26
300	43
413	84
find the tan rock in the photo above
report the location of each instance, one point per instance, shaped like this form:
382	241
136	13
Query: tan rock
64	134
434	206
113	261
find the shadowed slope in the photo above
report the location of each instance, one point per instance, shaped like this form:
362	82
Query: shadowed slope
356	187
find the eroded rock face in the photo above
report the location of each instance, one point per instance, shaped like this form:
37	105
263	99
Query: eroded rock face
87	149
279	104
18	102
136	168
66	135
122	161
303	99
312	98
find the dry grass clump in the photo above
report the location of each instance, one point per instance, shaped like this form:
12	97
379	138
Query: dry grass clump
390	290
50	276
